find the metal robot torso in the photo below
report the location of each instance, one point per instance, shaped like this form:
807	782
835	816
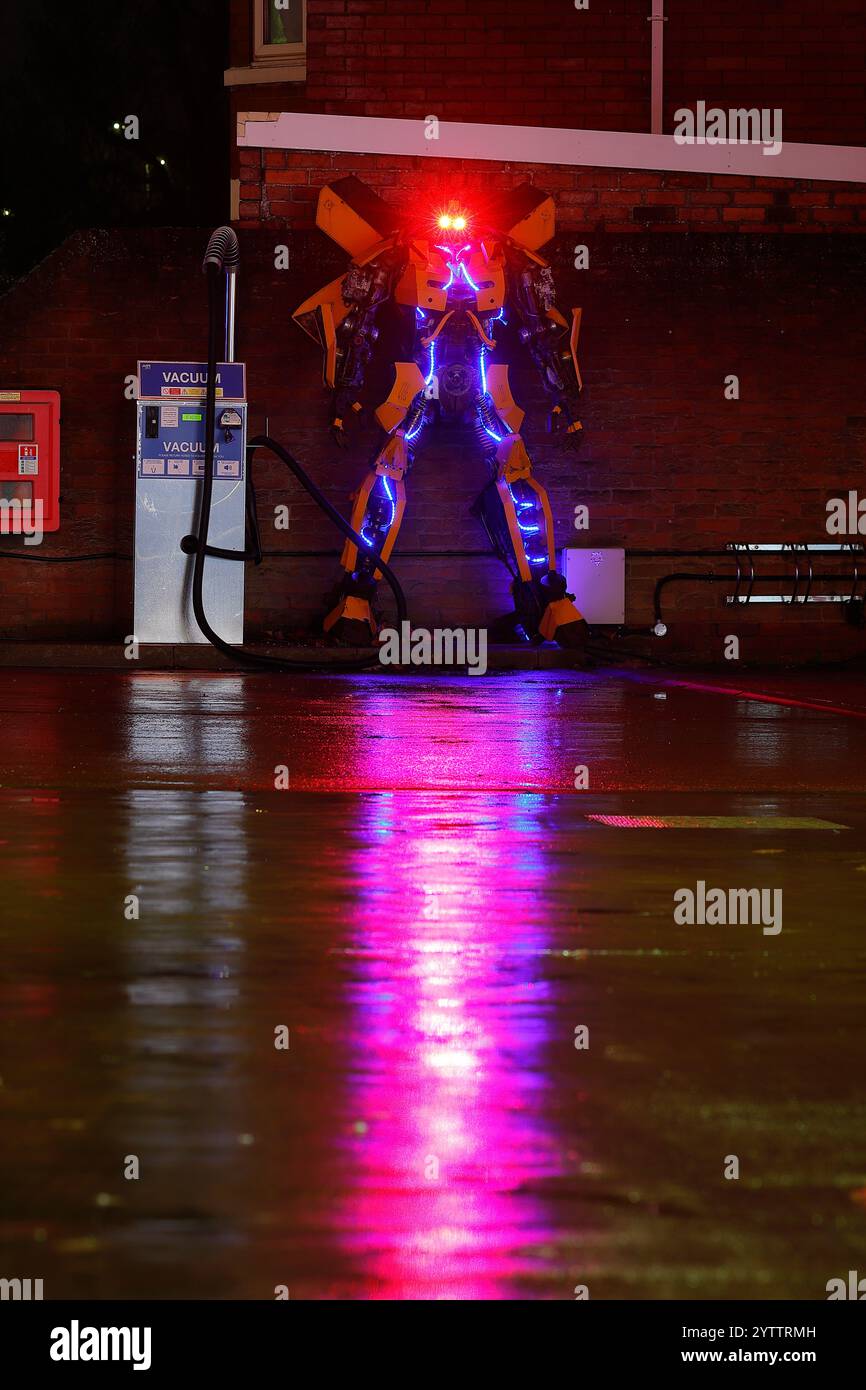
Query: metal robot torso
457	289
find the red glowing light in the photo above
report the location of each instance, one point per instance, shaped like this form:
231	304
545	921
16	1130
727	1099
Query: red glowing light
454	220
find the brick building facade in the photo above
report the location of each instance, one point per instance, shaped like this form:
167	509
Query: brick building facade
462	60
673	303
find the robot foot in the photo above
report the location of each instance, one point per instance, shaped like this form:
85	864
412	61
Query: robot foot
350	632
351	623
572	635
560	621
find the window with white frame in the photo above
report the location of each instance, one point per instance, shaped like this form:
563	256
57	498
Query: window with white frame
279	30
278	43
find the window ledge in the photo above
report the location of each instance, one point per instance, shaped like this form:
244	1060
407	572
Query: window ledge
289	70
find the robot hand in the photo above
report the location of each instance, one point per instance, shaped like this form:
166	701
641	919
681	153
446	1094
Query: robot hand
562	420
345	411
338	433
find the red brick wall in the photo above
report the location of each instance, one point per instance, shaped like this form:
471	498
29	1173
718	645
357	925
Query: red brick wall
492	60
280	188
500	62
807	59
665	461
506	62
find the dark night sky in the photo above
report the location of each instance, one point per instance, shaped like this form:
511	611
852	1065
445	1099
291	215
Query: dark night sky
68	72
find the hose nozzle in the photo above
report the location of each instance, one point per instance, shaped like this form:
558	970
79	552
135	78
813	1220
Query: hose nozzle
223	251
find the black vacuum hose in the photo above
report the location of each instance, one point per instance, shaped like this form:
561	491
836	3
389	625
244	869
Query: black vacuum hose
221	251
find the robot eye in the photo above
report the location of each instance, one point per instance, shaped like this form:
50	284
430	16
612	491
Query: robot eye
459	223
445	221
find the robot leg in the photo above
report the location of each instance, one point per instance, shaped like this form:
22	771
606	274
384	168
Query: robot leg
515	510
376	516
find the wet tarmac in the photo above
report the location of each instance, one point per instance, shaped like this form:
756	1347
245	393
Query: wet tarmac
509	1070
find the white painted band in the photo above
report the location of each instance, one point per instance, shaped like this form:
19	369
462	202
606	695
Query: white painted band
613	149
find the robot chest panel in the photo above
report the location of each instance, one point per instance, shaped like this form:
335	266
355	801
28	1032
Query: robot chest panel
424	287
437	284
485	281
457	372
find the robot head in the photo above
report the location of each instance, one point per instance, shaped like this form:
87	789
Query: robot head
452	226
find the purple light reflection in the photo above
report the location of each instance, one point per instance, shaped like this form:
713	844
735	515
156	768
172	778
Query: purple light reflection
450	1023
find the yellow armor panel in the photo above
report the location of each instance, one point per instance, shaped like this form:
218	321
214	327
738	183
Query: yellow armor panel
320	316
489	276
422	284
408	381
576	315
344	223
537	227
500	391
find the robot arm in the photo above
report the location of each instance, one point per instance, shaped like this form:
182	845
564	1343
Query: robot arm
364	288
342	318
543	328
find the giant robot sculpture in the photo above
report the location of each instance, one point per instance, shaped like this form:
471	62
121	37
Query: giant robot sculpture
459	292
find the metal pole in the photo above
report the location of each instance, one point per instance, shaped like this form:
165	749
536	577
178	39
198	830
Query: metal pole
230	314
657	19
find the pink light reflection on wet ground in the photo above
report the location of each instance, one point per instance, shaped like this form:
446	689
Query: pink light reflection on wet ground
451	1017
431	911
